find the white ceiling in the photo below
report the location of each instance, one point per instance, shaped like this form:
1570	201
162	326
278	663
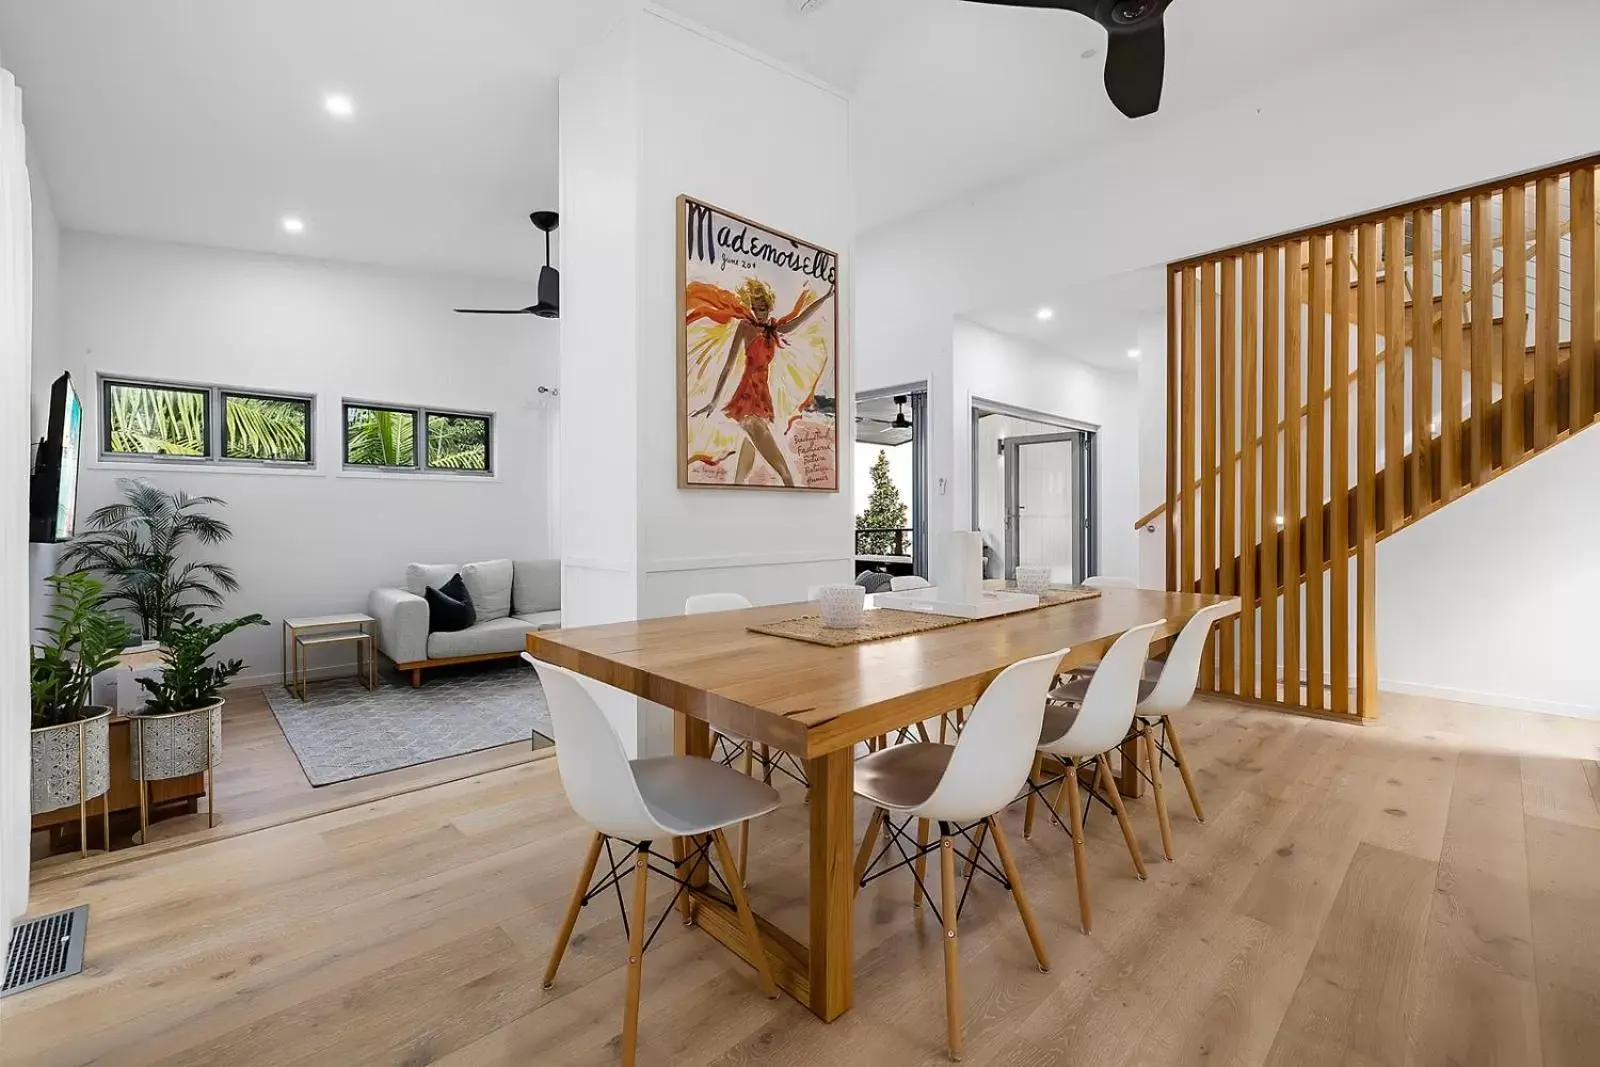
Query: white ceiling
1097	322
203	122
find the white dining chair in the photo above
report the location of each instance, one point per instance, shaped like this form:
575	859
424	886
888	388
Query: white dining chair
1169	693
902	582
960	787
638	803
1108	581
1082	735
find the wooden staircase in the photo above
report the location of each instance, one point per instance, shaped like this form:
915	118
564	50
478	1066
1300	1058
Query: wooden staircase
1296	441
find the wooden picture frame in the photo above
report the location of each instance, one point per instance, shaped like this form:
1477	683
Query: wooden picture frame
772	425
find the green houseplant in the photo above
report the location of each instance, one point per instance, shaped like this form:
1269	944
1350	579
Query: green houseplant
189	679
138	544
179	730
82	640
70	753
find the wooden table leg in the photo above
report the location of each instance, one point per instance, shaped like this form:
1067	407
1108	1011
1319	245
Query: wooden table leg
690	737
1129	783
832	946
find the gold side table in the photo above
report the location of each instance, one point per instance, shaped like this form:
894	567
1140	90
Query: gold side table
321	631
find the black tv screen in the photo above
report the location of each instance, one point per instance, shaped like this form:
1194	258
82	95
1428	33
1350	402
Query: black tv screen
53	503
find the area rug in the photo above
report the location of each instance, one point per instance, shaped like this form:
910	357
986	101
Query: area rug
346	731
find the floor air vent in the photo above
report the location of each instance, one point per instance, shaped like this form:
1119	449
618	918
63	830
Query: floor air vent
45	949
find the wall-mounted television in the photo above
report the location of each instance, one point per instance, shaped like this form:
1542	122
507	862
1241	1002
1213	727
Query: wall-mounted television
53	494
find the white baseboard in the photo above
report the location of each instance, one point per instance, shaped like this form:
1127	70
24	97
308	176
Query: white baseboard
1469	696
1496	700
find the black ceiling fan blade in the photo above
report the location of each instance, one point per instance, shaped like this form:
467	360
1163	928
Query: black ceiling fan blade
1135	69
494	311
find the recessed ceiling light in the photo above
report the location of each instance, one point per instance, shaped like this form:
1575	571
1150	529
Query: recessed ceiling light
293	224
1134	353
339	105
1045	314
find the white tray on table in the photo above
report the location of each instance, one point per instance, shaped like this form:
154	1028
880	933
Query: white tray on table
991	603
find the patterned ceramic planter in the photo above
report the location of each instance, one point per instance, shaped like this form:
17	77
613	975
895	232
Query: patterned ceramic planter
71	762
171	745
174	744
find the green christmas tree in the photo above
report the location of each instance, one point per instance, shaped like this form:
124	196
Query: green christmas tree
886	513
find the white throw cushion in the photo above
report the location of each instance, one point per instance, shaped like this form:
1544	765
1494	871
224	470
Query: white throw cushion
489	585
421	575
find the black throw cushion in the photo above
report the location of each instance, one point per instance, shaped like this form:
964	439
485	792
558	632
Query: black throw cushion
450	607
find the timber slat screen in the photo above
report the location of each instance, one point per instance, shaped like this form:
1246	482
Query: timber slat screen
1331	387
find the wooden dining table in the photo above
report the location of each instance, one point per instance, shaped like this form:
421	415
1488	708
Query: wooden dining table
818	703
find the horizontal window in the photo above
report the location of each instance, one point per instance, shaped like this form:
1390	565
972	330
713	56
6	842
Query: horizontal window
186	422
157	421
398	438
379	437
272	428
458	442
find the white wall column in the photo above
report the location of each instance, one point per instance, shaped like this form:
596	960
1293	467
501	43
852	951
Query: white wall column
663	108
1152	447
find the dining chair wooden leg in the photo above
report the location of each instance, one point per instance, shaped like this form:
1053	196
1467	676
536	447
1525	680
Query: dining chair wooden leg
630	1006
944	729
1009	866
1080	862
868	842
1108	784
1183	767
747	918
1033	796
766	765
744	827
922	732
921	864
1153	758
585	876
948	902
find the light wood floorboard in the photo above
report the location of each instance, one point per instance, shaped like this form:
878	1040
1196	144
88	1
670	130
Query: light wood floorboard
1422	891
260	784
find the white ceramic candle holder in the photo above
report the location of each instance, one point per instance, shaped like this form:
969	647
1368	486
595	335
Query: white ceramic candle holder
1035	581
842	606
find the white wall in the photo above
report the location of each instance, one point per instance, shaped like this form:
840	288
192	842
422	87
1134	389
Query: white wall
27	244
317	541
635	138
1492	599
768	545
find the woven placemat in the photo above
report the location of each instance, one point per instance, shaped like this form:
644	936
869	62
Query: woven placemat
881	624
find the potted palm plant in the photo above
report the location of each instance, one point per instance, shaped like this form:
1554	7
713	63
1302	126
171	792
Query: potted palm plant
70	743
138	544
179	730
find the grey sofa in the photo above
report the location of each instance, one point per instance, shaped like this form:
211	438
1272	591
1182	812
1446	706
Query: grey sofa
513	598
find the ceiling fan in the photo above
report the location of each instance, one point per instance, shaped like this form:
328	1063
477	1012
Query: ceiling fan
549	305
1136	53
899	422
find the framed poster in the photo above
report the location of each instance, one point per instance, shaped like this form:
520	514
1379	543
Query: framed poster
758	372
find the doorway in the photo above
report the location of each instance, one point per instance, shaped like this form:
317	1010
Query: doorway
1046	504
1034	492
891	473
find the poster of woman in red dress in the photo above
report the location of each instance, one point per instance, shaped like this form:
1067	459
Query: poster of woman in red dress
759	378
